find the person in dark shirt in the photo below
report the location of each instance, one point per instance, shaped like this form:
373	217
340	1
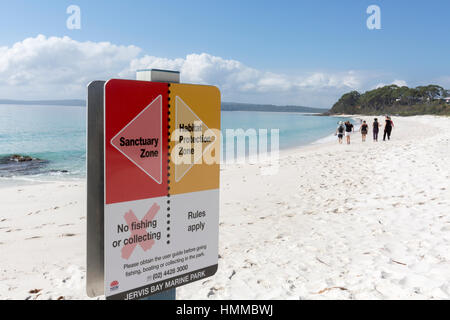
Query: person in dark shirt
340	131
376	128
389	125
364	129
349	128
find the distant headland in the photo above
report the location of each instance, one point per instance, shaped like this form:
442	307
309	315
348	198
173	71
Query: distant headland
67	102
226	106
236	106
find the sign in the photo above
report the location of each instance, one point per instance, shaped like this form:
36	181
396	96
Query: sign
161	214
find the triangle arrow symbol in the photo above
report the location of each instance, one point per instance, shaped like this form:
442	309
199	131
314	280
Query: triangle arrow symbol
184	115
140	141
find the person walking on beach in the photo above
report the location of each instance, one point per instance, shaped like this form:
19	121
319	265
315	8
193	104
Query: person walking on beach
340	132
349	128
376	128
364	129
388	128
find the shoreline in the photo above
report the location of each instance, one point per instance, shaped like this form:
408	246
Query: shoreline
43	178
25	180
325	141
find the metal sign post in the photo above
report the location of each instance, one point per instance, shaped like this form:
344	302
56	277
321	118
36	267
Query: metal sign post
95	190
152	203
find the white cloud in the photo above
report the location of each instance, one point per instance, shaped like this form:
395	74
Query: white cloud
58	68
239	82
46	68
400	83
443	81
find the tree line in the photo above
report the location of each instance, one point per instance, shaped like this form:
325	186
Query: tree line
395	100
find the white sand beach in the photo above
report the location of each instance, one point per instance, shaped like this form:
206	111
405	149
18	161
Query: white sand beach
360	221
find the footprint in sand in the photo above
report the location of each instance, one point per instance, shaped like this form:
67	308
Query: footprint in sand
68	235
35	237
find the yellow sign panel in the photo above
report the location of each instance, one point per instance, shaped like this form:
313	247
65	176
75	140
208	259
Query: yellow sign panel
194	127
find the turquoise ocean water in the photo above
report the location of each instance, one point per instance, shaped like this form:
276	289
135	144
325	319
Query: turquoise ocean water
57	136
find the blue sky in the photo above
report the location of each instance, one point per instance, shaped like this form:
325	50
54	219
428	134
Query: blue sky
285	38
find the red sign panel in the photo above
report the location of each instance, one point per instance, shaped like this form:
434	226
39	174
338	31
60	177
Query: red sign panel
136	135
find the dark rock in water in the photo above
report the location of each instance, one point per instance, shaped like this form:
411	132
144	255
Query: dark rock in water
17	165
20	158
59	171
